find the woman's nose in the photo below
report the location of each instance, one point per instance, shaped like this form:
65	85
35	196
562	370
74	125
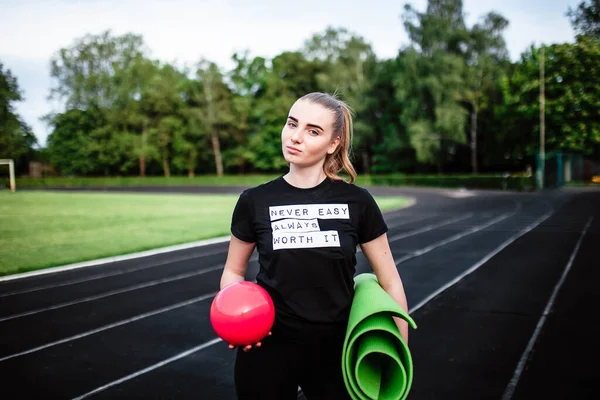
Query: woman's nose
296	136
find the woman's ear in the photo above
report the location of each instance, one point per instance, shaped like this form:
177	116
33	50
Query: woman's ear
333	145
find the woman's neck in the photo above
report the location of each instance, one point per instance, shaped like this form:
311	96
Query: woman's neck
305	178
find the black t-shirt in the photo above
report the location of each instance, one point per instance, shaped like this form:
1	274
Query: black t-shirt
306	240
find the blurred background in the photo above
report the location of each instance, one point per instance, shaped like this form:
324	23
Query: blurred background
494	94
132	126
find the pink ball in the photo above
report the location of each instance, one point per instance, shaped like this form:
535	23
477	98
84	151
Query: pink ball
242	313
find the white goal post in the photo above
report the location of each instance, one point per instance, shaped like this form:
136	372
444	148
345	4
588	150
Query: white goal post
11	168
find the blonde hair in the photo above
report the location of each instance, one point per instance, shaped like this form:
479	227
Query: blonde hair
342	127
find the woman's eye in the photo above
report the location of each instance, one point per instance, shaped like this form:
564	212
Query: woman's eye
291	124
314	132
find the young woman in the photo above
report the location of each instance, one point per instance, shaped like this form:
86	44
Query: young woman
306	226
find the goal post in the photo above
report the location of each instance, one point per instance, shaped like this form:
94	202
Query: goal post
11	171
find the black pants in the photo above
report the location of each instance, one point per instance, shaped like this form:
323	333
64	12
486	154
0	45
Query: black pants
276	369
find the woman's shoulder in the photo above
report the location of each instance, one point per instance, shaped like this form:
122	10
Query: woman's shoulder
353	189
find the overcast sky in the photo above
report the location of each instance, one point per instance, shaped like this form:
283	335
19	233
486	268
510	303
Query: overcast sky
183	31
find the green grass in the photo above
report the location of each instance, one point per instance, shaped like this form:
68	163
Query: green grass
45	229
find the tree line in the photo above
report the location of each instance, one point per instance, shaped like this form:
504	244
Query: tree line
450	101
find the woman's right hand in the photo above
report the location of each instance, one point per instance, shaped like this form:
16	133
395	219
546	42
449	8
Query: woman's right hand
249	347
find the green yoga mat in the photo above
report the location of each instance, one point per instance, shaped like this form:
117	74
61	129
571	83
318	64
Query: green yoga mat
376	362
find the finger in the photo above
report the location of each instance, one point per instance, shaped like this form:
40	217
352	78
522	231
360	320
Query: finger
270	333
247	348
231	347
258	344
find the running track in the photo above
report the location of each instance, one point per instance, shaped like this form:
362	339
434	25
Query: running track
502	286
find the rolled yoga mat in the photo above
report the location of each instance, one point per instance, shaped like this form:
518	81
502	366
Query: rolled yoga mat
376	362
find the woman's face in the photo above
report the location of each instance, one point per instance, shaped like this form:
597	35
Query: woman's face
307	136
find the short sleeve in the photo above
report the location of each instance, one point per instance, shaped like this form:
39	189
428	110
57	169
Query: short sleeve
241	220
372	224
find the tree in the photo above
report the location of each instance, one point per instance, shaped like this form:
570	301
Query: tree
104	75
248	84
134	112
161	104
211	108
392	151
572	97
290	77
84	74
486	52
431	79
17	140
440	28
585	19
348	65
69	145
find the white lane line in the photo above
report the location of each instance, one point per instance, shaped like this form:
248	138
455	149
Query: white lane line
480	262
512	385
428	228
108	274
110	326
114	292
421	230
392	223
408	217
458	236
124	257
150	368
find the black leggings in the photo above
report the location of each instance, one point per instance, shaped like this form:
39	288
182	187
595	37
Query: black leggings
276	369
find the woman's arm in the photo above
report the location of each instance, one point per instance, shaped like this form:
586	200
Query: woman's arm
235	268
380	257
237	261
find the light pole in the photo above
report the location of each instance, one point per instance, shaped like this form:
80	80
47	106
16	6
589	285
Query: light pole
541	170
